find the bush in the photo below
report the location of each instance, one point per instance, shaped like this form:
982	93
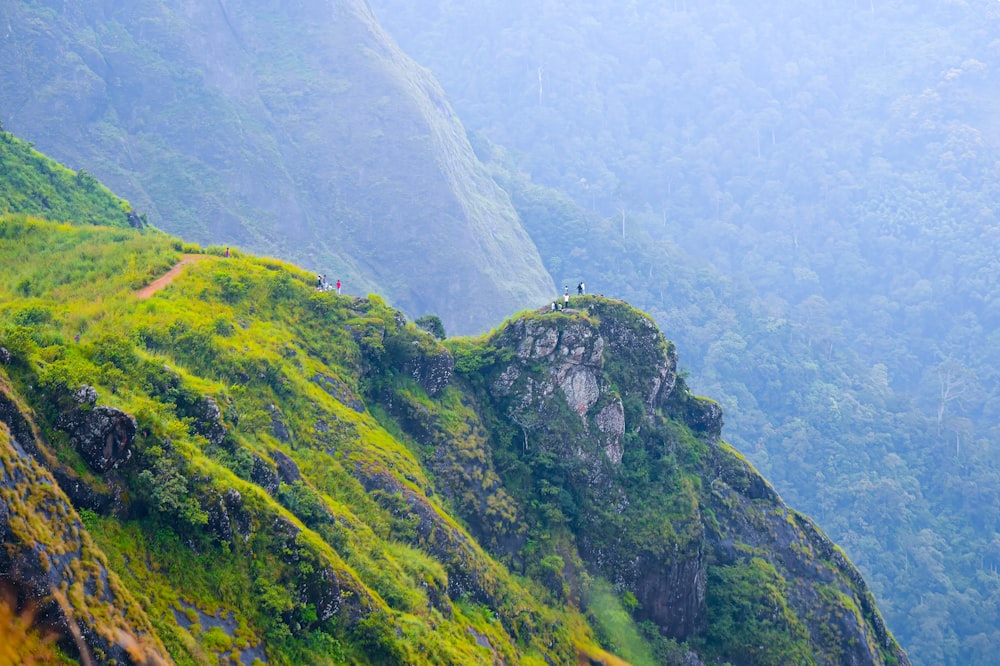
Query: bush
432	324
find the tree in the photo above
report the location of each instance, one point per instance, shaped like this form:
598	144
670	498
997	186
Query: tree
432	324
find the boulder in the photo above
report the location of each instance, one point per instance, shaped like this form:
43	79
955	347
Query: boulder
103	436
264	475
288	471
208	420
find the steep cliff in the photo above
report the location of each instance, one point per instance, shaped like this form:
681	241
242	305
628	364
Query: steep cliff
297	130
616	472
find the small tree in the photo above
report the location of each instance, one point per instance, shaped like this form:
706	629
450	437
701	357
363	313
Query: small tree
432	324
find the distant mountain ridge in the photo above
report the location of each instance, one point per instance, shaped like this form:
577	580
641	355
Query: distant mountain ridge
297	130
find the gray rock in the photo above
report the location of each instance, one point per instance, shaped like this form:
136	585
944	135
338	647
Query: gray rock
208	420
103	436
278	426
433	372
288	471
339	390
85	395
264	475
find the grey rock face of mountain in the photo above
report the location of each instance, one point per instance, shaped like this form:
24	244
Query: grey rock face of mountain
298	130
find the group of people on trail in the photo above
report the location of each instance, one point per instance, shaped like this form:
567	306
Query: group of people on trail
581	289
323	285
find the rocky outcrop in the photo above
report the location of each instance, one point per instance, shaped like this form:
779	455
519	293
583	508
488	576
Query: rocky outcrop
264	475
749	512
49	558
278	425
431	371
321	584
288	471
579	388
103	436
227	516
207	420
14	419
339	390
81	494
592	363
673	594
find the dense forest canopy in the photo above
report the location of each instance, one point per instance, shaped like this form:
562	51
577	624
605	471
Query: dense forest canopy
835	167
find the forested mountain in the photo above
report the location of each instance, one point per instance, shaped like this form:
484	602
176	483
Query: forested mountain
235	467
298	130
835	165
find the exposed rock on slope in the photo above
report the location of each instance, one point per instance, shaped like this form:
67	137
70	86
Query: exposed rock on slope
51	561
292	129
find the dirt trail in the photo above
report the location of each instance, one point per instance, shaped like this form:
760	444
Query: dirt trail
168	277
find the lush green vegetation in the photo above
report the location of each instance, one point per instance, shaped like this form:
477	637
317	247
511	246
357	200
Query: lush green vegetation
255	336
37	185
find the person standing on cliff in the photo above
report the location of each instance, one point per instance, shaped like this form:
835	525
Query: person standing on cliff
566	299
338	287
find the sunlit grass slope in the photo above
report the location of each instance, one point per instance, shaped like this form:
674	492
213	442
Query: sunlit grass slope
285	366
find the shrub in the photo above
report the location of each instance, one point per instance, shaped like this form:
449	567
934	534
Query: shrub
432	324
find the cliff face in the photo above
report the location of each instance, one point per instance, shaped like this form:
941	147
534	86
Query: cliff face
621	473
52	564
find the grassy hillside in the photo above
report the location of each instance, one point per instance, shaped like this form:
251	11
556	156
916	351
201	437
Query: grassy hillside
298	131
280	361
37	185
271	472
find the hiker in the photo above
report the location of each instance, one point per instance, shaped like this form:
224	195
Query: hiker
227	253
338	287
566	299
319	281
579	289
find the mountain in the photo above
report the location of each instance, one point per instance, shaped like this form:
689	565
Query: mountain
297	130
234	466
806	197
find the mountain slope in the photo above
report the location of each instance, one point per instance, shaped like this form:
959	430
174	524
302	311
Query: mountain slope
277	473
295	130
34	184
